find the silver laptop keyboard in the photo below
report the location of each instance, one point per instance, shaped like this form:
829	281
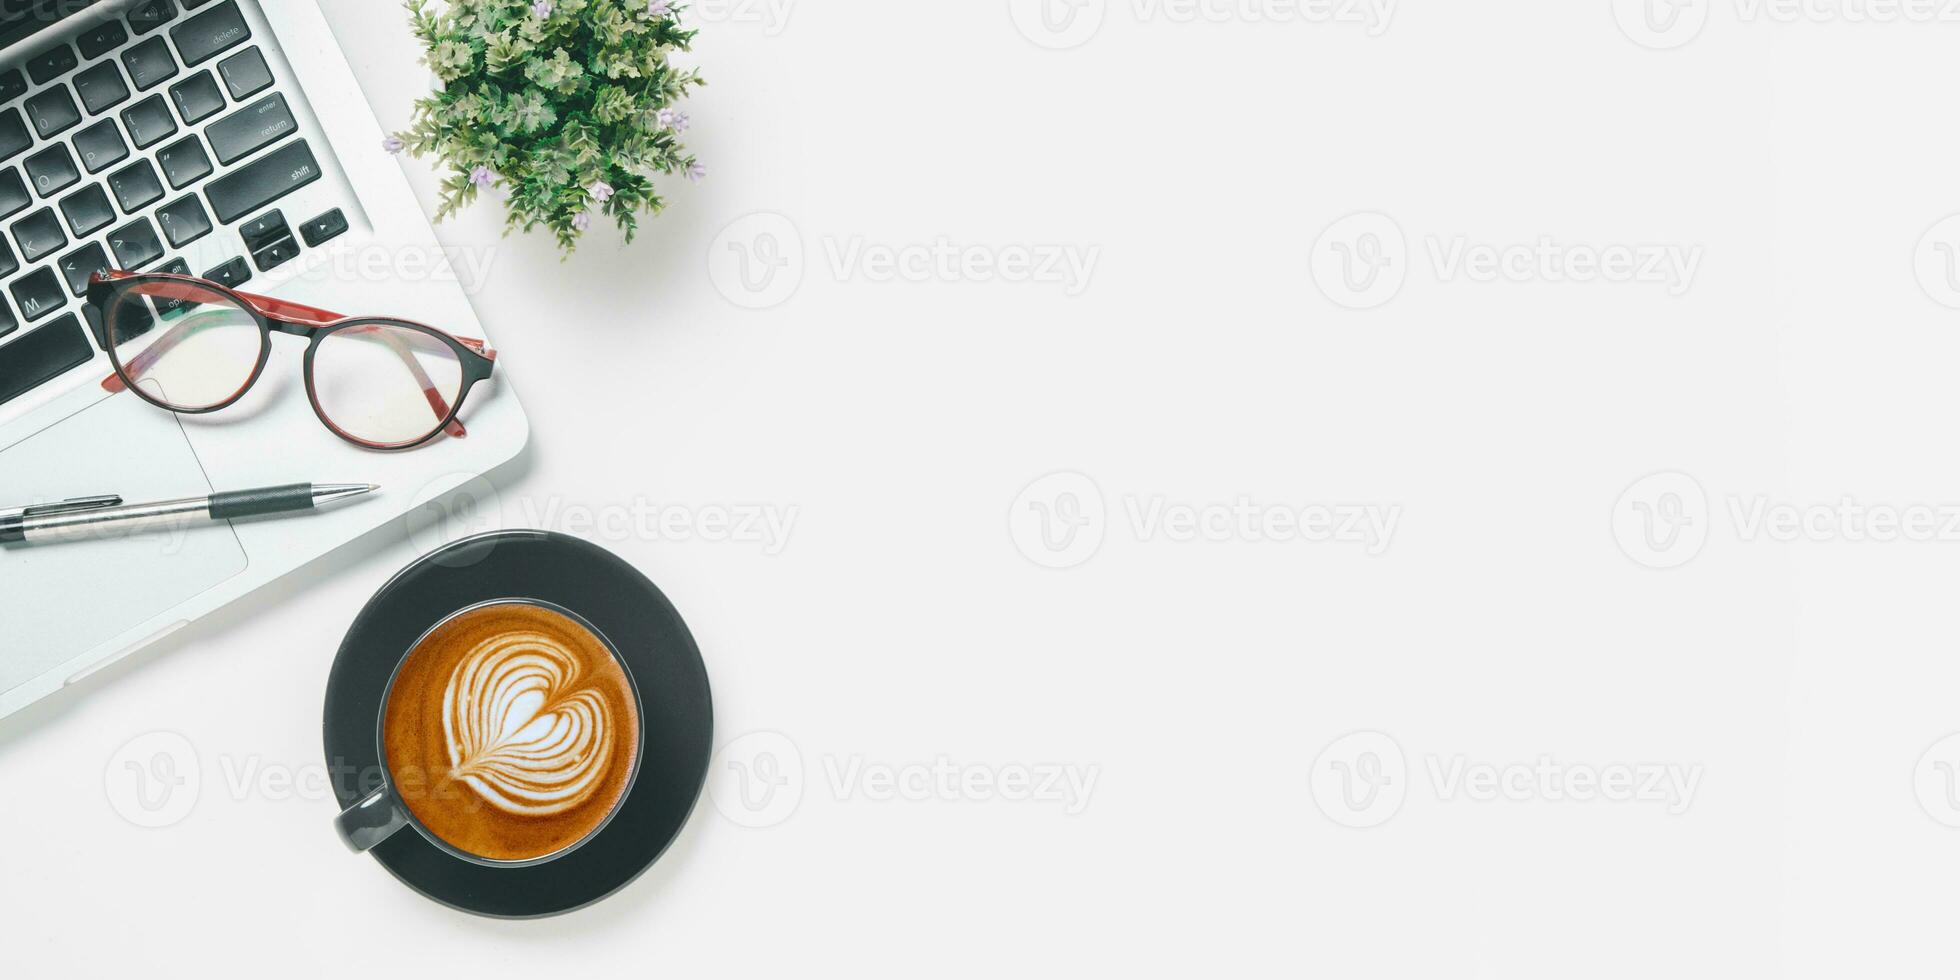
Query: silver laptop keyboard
126	140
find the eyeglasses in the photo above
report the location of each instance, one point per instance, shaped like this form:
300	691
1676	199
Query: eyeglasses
377	382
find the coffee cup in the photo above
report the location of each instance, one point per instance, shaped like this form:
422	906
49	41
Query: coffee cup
509	736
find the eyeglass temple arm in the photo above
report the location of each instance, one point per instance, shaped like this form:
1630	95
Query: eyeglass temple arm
284	311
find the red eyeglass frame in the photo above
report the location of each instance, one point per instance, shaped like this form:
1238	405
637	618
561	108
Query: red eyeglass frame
478	359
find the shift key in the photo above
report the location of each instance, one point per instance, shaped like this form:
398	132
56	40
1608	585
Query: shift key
262	181
244	132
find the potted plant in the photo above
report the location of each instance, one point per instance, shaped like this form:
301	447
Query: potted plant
569	107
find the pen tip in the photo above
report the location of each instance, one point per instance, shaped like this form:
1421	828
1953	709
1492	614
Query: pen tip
374	487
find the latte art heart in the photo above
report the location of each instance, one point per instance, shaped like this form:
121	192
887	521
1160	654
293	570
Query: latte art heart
524	729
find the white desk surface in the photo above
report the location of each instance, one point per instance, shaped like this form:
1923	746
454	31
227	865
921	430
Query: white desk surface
1788	693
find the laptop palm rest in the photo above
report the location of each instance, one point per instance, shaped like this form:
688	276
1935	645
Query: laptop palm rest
60	600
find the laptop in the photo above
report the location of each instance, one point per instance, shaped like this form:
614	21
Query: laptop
219	138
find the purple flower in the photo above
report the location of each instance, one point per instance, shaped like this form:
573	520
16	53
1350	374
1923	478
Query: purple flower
541	9
581	221
601	191
674	119
481	176
393	144
695	172
658	8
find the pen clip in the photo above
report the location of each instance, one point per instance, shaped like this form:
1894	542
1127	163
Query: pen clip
71	505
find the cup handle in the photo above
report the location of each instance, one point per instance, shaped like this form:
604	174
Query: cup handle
374	819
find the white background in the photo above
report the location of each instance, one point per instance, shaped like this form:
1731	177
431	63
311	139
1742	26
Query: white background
1540	598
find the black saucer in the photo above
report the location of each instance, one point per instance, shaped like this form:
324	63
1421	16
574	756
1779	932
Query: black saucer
676	729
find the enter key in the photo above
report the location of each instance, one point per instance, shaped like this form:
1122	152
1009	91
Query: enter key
246	131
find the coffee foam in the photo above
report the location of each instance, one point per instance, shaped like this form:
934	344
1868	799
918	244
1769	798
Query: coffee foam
511	731
520	731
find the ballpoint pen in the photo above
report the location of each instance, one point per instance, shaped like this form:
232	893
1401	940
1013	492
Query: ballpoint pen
84	517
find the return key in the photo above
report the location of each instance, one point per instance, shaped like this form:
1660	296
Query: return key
246	131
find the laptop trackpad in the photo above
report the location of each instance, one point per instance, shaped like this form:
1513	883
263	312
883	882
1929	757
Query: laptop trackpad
61	599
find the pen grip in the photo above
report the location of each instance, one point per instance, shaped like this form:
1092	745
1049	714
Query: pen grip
266	500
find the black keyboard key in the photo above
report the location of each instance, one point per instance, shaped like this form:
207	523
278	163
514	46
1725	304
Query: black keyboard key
51	64
77	266
8	264
149	63
276	254
88	210
149	121
197	98
52	111
136	186
135	244
13	134
251	129
264	230
101	87
101	146
37	294
184	221
101	39
42	355
211	33
263	181
13	193
7	321
165	307
234	273
331	225
150	15
13	85
184	161
39	234
245	73
52	170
